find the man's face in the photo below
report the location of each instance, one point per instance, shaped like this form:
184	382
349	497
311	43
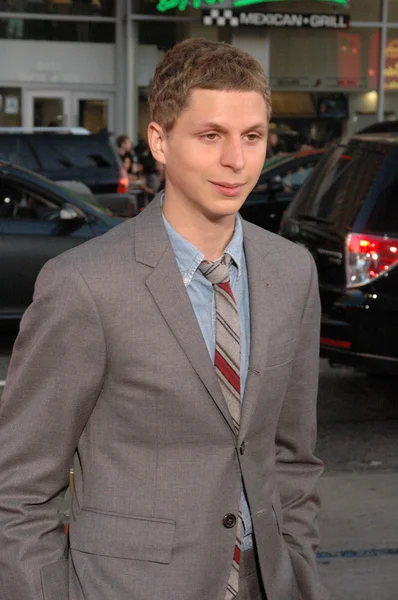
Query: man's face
215	151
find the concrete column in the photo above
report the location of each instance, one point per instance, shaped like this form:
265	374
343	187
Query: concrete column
380	105
130	75
132	96
120	68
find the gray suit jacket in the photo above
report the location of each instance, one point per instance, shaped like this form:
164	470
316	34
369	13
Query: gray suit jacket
110	371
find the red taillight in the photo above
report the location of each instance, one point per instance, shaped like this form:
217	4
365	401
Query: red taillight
368	257
123	186
336	343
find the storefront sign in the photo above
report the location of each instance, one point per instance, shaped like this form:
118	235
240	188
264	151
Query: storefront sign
182	5
391	64
228	17
391	68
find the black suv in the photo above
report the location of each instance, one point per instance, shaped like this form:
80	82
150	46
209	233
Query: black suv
346	214
62	155
280	179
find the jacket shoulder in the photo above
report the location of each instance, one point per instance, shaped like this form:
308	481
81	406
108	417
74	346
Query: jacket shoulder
102	252
267	242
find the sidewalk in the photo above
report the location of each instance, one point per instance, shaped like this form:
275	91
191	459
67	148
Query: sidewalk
358	557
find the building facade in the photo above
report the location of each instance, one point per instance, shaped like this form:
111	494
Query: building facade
332	64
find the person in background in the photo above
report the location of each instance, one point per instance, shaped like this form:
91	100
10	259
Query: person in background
136	177
153	172
125	148
141	149
273	144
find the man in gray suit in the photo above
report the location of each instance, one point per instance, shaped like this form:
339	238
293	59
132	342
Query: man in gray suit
174	362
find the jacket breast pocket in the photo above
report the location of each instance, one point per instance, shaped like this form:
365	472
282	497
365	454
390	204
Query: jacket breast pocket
123	536
279	354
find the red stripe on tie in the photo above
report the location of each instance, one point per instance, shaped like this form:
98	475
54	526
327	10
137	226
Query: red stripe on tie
230	375
237	555
227	288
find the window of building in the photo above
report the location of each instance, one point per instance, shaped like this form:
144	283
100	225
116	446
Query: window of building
157	33
391	64
348	60
104	8
57	31
366	10
393	11
93	114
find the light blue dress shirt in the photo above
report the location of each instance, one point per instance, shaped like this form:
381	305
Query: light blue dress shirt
201	294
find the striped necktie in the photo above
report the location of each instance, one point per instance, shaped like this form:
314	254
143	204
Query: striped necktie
227	365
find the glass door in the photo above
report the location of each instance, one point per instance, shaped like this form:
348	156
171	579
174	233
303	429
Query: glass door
93	111
46	109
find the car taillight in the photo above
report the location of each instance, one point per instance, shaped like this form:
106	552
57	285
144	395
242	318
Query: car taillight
123	186
368	257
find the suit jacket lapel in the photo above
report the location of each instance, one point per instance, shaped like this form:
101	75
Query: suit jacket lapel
152	247
260	292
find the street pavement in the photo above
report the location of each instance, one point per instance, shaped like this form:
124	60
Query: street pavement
358	556
358	442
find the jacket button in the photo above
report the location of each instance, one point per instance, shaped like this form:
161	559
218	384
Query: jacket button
242	448
229	521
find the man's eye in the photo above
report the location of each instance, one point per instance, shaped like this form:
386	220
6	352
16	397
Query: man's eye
253	137
210	136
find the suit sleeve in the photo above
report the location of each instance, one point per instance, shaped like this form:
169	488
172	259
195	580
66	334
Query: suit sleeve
298	469
54	378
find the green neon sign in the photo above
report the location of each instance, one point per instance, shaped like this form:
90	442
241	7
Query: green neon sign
181	5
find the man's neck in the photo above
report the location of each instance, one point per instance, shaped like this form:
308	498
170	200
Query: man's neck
210	237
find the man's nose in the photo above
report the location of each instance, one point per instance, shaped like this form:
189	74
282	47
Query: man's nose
233	155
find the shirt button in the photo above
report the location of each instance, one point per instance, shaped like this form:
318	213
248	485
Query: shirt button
242	448
185	279
229	521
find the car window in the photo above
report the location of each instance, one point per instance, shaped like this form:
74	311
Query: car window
340	184
57	152
15	150
381	208
294	178
19	203
288	181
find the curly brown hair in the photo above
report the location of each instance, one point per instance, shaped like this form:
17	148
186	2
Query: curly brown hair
204	64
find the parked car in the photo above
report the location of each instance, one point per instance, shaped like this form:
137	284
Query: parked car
380	127
71	155
346	214
38	220
279	181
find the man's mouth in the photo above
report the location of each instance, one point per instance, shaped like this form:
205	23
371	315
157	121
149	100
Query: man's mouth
227	185
230	190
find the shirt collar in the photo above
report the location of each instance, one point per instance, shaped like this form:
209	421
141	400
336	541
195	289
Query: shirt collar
189	258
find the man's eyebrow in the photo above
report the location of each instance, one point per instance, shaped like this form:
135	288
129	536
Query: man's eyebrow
218	127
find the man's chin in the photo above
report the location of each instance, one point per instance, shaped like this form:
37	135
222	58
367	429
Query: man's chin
224	208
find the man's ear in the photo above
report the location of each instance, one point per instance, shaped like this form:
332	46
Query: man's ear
157	142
